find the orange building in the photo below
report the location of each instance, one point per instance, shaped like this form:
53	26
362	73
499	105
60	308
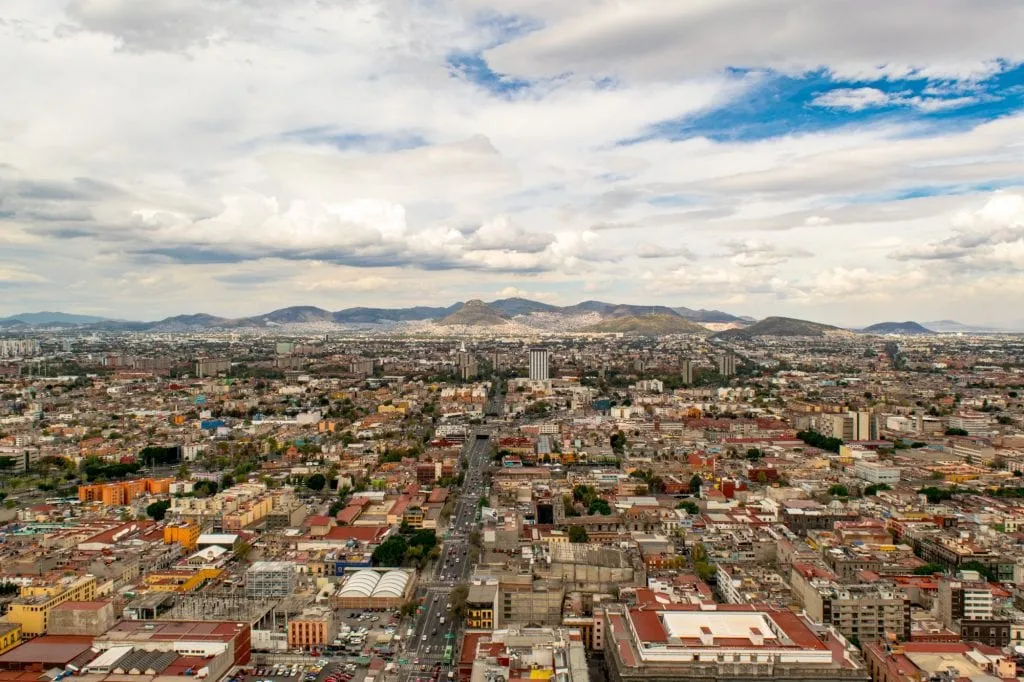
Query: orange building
123	492
185	534
313	629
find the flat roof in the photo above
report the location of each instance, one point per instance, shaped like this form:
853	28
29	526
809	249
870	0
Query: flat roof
48	649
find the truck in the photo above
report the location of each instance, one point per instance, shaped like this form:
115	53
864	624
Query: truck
442	620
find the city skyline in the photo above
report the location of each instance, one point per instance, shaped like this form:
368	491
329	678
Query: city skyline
781	158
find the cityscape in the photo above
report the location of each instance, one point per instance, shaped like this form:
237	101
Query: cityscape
536	341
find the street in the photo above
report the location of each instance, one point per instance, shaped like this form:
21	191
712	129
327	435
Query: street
435	629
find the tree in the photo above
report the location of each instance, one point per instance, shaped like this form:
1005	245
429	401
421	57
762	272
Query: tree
618	442
690	507
243	550
226	481
753	454
599	506
875	488
578	534
158	510
695	484
316	482
816	440
929	569
956	432
839	490
391	552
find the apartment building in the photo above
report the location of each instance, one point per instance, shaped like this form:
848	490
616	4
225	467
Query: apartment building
32	608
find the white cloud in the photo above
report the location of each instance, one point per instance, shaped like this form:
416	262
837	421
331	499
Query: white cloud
858	99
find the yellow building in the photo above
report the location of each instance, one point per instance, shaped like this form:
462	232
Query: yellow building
31	609
185	534
10	636
180	581
480	606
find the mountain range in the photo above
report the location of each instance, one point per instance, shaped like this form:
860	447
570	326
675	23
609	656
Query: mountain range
503	315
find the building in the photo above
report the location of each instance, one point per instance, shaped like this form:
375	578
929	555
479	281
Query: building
862	613
270	579
211	367
121	493
362	366
554	654
722	642
850	426
192	638
32	608
480	604
312	629
82	618
686	372
875	472
965	605
727	365
375	589
539	360
916	661
185	534
974	423
10	636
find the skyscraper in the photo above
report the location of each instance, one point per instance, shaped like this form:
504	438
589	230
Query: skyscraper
539	364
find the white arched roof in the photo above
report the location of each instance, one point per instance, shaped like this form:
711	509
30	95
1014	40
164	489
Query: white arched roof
361	584
391	584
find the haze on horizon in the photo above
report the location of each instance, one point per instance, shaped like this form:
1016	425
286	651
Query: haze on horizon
848	162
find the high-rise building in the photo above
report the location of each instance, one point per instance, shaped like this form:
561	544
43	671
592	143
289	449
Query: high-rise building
539	364
211	367
686	371
727	365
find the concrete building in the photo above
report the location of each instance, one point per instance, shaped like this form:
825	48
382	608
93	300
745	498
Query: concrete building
211	367
82	618
480	606
555	654
727	365
32	608
722	642
686	372
864	613
965	605
270	579
916	661
874	472
539	361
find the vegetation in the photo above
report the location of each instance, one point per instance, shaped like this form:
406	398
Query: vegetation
690	507
876	488
839	491
158	510
695	484
578	534
956	432
816	440
316	482
929	569
936	495
391	552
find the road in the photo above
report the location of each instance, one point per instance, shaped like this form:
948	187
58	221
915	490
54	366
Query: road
430	635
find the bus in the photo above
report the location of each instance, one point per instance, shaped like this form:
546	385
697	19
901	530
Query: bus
448	654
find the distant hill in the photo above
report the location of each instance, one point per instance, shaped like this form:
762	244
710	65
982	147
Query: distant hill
655	324
703	315
897	328
294	315
379	315
952	326
196	321
615	309
521	306
43	318
475	314
779	326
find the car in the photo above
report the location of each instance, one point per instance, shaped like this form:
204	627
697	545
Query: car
423	638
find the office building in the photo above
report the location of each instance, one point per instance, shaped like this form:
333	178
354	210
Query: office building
875	472
965	605
539	359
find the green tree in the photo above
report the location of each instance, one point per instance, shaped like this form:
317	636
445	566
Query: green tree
578	534
839	490
695	484
599	506
391	552
753	454
243	550
956	432
929	569
316	482
876	488
690	507
158	510
226	481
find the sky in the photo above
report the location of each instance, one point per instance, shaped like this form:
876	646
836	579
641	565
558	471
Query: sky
848	161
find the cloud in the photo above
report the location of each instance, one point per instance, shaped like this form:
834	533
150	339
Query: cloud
990	237
754	253
650	39
648	250
516	292
858	99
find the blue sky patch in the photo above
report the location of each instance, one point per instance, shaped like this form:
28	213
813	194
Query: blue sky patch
783	105
475	69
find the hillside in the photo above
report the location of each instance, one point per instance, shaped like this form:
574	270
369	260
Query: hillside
656	324
379	315
45	318
294	315
521	306
474	314
702	315
897	328
779	326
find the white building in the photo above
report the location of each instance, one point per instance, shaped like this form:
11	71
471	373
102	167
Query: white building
874	472
539	358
